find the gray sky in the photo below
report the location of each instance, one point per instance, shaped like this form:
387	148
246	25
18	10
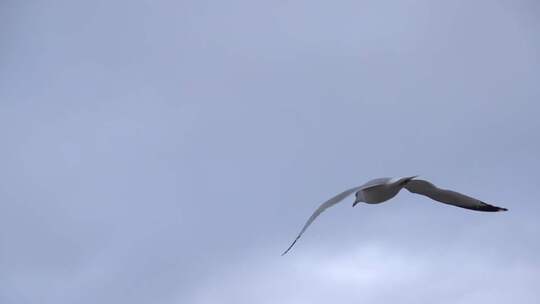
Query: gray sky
169	151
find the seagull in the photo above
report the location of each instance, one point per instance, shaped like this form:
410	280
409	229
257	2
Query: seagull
380	190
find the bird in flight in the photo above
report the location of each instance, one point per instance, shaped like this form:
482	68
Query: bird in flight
380	190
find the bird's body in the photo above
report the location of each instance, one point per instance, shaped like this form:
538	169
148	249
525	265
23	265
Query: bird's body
377	191
380	190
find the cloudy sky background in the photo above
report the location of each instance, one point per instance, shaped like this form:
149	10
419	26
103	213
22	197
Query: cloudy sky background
169	151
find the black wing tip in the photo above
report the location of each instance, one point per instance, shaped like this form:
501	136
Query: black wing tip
491	208
285	252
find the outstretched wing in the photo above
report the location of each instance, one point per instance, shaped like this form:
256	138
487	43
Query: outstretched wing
329	203
449	197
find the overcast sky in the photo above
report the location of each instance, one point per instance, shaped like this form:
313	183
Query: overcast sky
169	151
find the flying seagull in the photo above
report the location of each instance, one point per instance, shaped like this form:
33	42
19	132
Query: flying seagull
380	190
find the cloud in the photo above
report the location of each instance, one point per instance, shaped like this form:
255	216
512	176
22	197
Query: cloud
376	273
167	151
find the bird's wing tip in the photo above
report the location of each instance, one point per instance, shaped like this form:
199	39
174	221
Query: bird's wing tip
490	208
288	249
